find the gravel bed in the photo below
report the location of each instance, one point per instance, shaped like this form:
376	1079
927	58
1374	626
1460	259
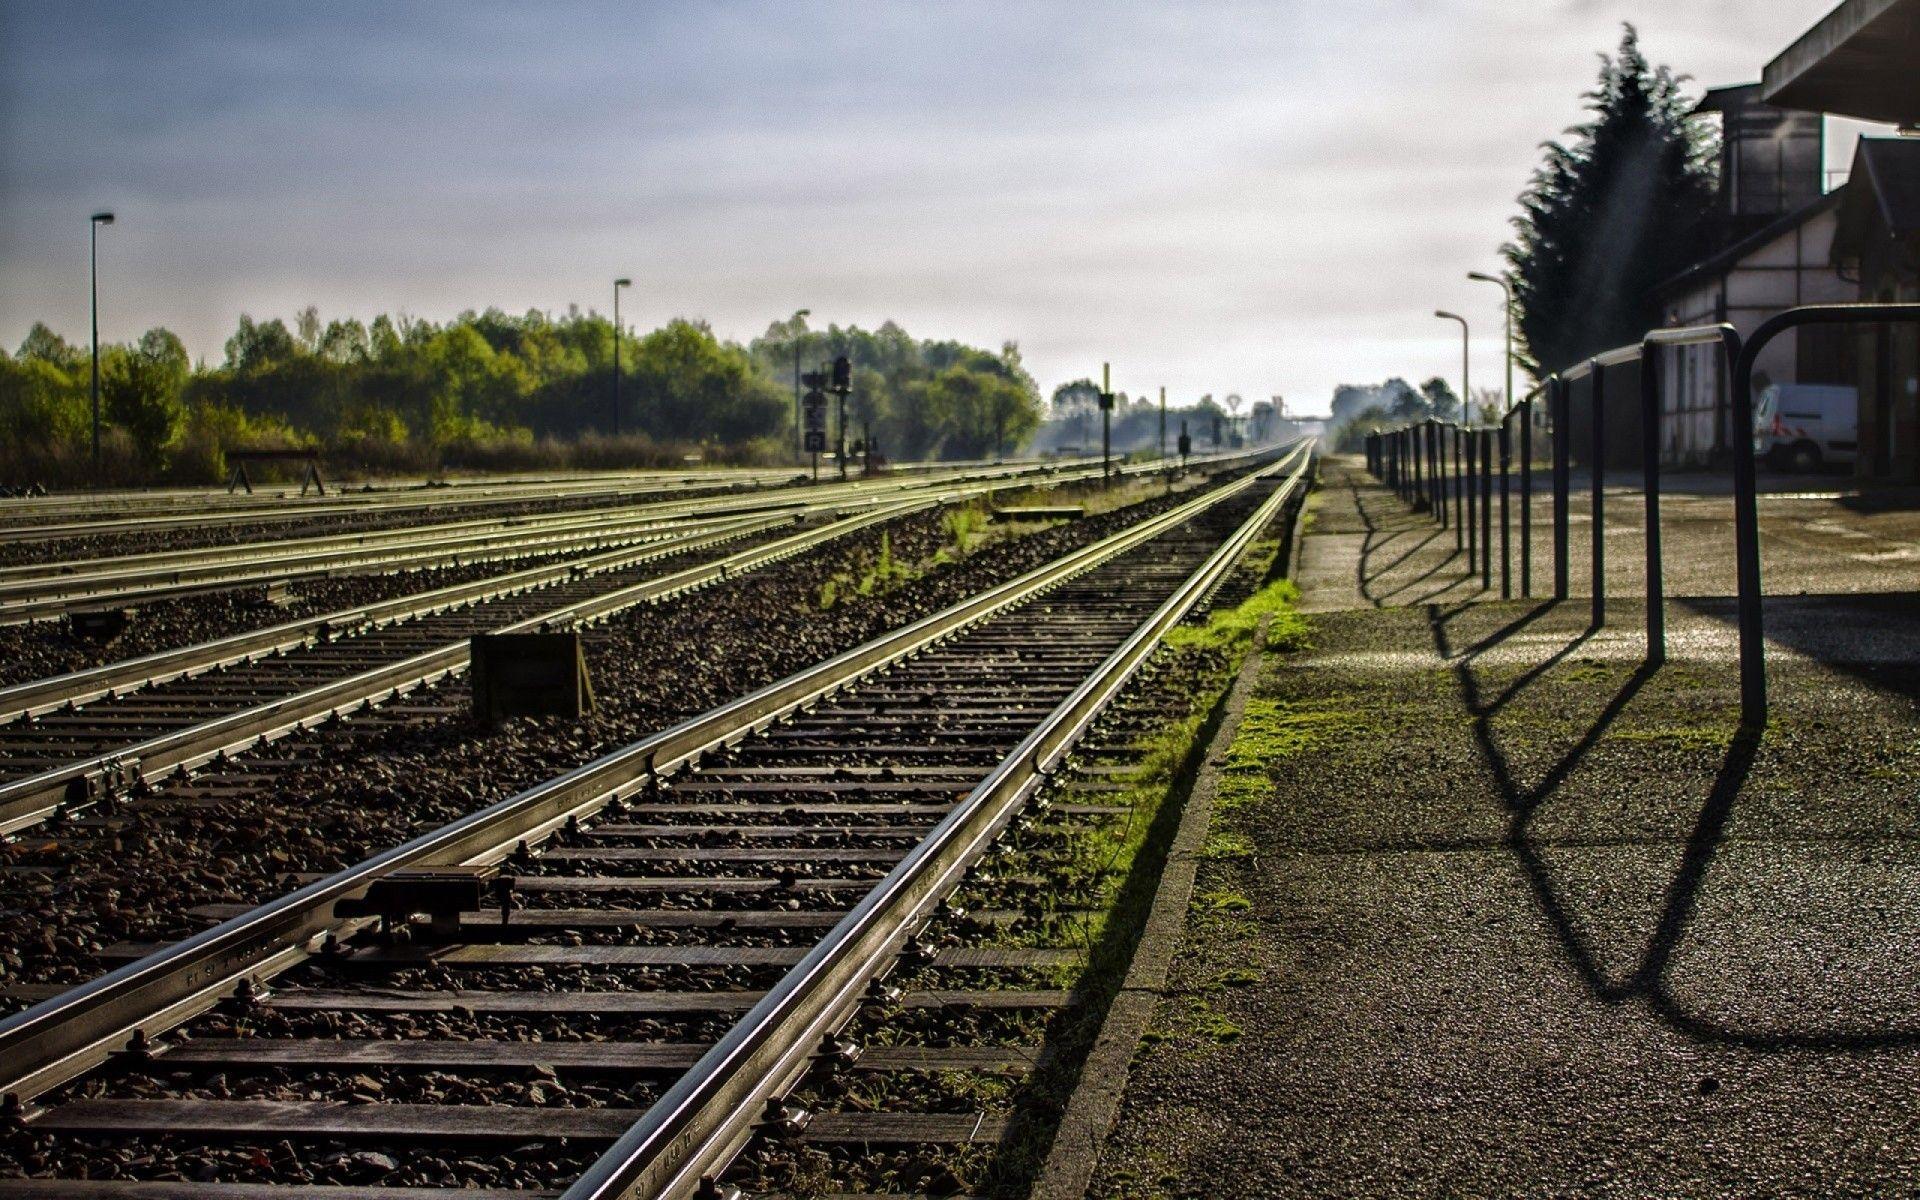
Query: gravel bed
368	785
458	1025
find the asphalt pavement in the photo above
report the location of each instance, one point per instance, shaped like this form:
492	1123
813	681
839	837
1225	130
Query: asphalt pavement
1497	910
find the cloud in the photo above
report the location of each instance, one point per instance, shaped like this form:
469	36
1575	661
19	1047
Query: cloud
1251	197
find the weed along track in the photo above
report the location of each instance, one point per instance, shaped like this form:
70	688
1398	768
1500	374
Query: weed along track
810	940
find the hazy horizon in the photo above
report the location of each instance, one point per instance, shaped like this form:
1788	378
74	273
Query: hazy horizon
1217	198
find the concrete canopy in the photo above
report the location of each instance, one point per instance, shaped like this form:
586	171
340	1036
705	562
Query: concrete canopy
1862	60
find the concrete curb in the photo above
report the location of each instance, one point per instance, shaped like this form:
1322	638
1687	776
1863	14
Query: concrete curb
1095	1104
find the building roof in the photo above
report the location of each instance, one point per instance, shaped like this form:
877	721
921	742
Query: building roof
1886	184
1729	256
1858	61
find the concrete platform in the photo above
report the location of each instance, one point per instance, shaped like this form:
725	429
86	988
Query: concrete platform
1497	911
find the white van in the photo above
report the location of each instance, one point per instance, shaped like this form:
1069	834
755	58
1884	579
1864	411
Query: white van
1802	426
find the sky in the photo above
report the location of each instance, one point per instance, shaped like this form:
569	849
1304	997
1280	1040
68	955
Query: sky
1263	198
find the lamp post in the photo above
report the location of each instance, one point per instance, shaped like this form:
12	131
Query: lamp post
1506	438
1507	289
617	285
93	257
1466	387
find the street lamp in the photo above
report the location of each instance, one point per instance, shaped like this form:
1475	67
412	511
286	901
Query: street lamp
1507	288
1466	390
93	254
617	285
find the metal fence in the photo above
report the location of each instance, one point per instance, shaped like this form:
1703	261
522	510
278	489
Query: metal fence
1413	460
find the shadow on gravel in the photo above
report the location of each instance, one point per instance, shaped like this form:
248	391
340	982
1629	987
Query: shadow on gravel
1647	980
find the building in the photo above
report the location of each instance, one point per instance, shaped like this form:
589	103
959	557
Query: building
1788	242
1862	60
1777	228
1876	247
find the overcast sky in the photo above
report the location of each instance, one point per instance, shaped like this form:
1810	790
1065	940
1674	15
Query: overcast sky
1261	198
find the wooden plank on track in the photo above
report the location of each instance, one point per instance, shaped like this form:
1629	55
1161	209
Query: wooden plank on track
508	954
373	1001
513	954
333	1118
751	854
386	1000
248	1053
531	884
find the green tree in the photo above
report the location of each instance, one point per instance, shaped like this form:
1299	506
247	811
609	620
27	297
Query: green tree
143	391
1611	213
1441	402
254	348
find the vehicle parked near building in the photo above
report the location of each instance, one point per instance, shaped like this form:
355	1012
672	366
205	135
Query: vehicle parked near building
1804	426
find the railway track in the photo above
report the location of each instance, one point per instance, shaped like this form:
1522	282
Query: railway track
65	759
604	984
74	741
47	589
65	515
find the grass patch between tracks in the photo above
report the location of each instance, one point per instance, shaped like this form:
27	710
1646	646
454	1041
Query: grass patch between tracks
1115	866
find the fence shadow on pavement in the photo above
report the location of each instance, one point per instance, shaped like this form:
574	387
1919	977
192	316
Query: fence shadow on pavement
1647	979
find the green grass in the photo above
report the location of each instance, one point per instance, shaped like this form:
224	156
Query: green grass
1111	870
1232	630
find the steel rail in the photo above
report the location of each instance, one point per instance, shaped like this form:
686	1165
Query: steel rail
696	1128
189	507
79	687
389	503
35	591
27	802
60	585
60	1038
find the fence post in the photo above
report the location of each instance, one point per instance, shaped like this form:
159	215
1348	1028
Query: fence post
1597	373
1506	465
1526	497
1459	472
1650	363
1472	482
1486	508
1557	411
1437	478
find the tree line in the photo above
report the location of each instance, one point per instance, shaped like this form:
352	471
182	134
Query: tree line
487	390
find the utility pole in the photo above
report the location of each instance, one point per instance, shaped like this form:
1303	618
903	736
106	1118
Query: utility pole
617	285
1106	425
93	256
842	384
799	339
1466	387
1506	289
1163	420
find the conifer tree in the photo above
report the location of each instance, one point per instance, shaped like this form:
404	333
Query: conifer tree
1619	206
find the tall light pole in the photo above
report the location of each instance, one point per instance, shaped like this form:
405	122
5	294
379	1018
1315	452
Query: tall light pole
1507	289
799	339
93	256
617	285
1466	387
